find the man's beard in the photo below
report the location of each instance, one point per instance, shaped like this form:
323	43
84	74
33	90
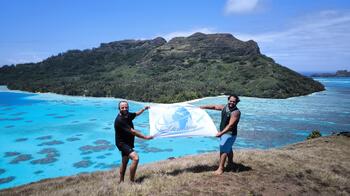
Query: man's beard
124	113
231	106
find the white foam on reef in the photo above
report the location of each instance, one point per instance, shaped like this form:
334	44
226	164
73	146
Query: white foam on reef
59	97
204	98
55	96
4	88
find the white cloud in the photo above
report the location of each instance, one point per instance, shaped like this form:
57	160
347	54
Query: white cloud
171	35
240	6
26	57
312	42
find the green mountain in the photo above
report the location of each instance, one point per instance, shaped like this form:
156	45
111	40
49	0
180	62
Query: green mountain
155	70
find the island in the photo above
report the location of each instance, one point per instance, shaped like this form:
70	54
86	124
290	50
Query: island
339	73
156	70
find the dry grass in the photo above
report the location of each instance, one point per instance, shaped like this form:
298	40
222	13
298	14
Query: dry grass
315	167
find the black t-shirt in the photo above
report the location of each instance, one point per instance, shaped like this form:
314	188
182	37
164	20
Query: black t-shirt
122	126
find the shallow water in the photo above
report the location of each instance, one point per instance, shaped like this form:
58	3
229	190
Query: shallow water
49	135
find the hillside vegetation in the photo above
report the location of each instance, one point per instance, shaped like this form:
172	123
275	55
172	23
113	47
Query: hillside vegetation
181	69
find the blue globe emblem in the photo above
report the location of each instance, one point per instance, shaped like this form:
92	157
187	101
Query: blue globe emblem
182	116
179	121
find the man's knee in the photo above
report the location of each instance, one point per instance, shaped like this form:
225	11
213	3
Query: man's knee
134	156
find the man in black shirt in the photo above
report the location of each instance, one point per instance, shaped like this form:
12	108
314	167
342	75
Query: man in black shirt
125	137
230	116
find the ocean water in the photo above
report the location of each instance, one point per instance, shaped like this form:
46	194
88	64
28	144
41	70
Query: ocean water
49	135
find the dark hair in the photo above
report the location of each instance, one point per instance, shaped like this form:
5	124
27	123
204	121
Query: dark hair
120	102
235	96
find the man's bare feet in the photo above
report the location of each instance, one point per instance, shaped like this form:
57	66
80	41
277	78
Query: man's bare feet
219	171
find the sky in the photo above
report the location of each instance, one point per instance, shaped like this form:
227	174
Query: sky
303	35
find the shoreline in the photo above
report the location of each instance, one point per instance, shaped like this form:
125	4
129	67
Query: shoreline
47	95
312	167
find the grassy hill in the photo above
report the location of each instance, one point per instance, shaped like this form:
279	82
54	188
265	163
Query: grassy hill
314	167
181	69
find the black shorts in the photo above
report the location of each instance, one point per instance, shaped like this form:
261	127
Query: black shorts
125	149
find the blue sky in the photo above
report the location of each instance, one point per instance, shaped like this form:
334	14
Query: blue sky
304	35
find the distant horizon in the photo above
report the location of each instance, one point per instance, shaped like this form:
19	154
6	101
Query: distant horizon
309	73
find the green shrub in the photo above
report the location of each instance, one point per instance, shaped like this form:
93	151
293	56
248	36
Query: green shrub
314	134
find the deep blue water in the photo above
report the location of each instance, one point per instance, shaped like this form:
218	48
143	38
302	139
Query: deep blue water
48	135
16	99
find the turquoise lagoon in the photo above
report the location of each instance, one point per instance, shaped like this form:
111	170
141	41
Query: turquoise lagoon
49	135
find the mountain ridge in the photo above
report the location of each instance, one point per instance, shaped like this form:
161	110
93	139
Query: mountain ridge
157	70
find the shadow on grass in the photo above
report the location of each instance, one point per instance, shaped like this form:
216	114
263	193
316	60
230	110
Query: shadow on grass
142	178
236	167
194	169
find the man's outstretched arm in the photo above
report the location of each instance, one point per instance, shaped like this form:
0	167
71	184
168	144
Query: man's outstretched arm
140	135
142	110
212	107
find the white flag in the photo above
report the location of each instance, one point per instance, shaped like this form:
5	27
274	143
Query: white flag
180	120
